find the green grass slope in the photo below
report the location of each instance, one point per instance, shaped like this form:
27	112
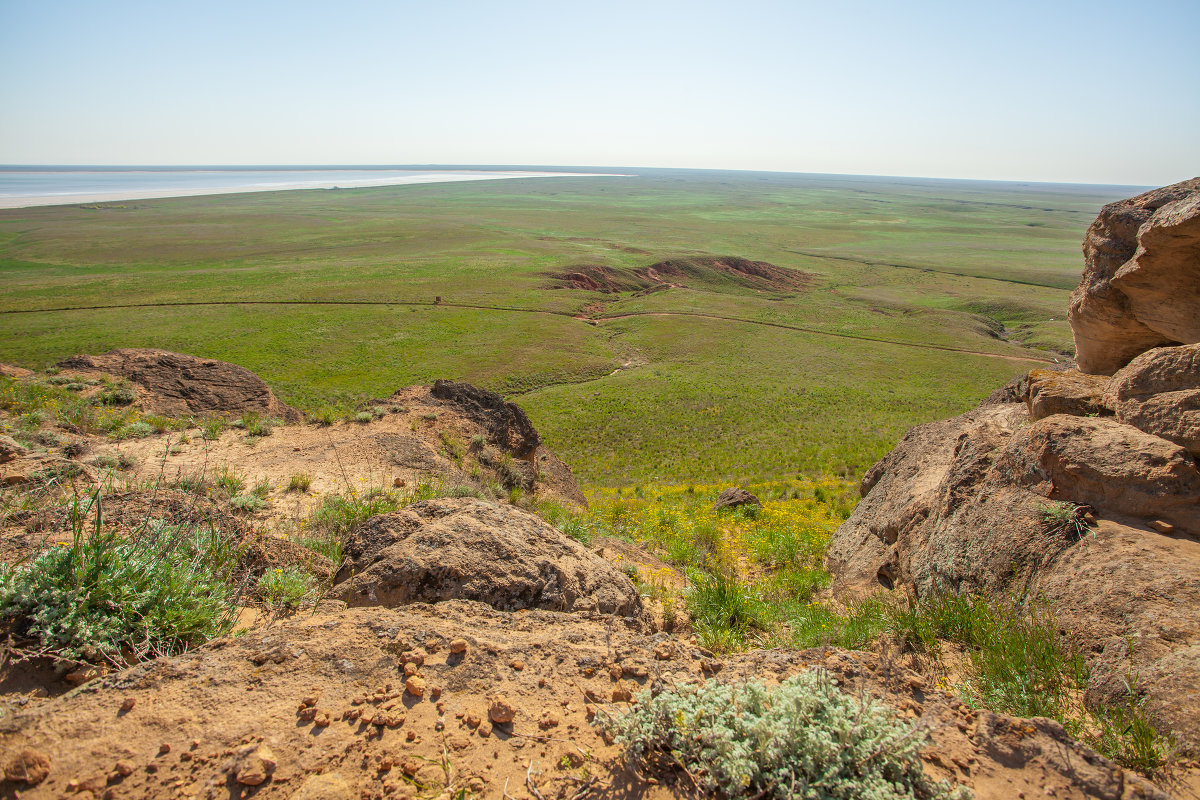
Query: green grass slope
920	297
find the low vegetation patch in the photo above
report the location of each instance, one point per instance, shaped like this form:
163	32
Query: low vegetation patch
157	591
804	738
283	589
755	578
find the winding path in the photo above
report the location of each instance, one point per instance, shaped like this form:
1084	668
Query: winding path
517	309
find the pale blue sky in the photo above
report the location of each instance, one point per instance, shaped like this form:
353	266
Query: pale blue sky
1099	92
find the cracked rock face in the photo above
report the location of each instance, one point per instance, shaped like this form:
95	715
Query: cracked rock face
1141	279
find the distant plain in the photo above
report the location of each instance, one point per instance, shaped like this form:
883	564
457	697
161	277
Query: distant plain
922	297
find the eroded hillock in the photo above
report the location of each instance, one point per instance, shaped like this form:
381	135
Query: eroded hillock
710	272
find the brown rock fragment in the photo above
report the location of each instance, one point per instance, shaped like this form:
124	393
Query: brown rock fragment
27	766
500	710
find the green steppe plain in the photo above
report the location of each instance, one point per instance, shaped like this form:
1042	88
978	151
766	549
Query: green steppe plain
925	296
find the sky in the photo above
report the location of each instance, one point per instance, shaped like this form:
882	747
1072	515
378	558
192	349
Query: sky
1090	92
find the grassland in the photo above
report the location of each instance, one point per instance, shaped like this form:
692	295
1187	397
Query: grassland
926	295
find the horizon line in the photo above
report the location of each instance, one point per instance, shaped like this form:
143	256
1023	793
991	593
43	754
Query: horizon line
528	167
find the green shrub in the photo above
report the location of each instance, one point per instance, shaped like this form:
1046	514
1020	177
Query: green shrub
247	502
805	738
212	428
160	590
725	612
105	462
327	546
160	423
134	430
337	514
285	588
229	481
1126	735
1064	519
363	417
299	482
1016	662
478	442
116	396
255	424
325	415
454	447
262	488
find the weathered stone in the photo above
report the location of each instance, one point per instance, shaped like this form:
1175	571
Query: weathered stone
1048	392
1159	393
734	497
1141	280
174	383
475	550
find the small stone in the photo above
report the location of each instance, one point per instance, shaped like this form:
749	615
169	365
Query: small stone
472	719
164	748
517	664
410	669
500	710
411	736
590	711
127	704
458	646
307	714
711	665
28	766
82	675
414	657
434	693
635	671
123	768
321	720
256	766
399	483
432	645
548	721
415	686
1162	526
621	693
614	671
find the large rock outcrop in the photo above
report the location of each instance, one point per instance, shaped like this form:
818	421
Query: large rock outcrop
468	549
174	383
1141	279
1068	487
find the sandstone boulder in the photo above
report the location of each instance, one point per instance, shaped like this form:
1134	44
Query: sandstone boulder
735	498
963	505
1159	392
1047	392
1102	463
1141	279
173	383
470	549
